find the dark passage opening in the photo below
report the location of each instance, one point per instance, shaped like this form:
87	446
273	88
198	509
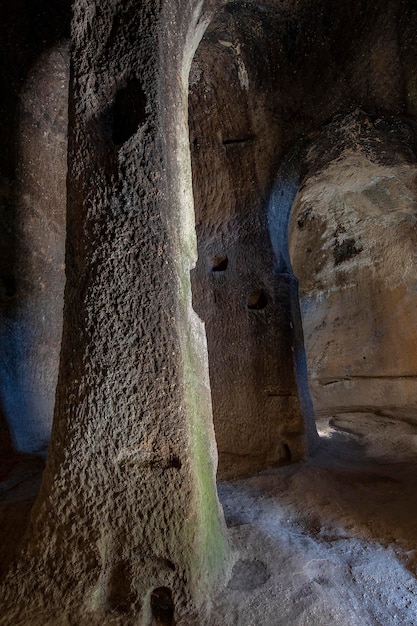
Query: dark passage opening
162	606
129	112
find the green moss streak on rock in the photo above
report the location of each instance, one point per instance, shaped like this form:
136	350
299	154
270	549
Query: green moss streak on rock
211	548
207	531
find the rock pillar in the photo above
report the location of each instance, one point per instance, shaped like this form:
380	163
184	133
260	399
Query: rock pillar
127	522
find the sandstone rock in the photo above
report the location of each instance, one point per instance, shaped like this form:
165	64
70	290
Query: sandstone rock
353	240
188	125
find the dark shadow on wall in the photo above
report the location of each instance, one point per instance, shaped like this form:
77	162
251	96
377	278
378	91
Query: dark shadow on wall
280	205
27	31
6	446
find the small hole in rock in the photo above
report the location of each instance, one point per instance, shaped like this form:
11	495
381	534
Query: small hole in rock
238	140
170	564
120	595
257	300
129	112
219	263
287	452
175	462
162	606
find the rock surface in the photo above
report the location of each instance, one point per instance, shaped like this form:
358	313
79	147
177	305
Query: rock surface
127	528
353	239
328	541
127	519
33	166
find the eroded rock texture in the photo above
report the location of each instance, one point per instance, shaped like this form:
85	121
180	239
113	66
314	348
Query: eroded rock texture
127	528
353	241
127	525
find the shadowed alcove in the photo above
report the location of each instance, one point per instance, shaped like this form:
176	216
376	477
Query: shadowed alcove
33	165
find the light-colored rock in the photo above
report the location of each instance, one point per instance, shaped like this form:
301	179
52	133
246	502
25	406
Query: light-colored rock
353	243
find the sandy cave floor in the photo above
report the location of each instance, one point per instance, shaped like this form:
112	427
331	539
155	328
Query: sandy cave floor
331	541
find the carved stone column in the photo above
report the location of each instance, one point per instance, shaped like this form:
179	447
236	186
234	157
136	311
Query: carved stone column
128	520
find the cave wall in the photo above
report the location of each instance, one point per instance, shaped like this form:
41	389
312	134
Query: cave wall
353	242
263	82
244	115
127	521
239	292
34	70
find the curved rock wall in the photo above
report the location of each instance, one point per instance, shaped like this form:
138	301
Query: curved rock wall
353	240
33	166
243	296
263	80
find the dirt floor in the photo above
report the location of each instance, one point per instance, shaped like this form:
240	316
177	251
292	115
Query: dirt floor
331	541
